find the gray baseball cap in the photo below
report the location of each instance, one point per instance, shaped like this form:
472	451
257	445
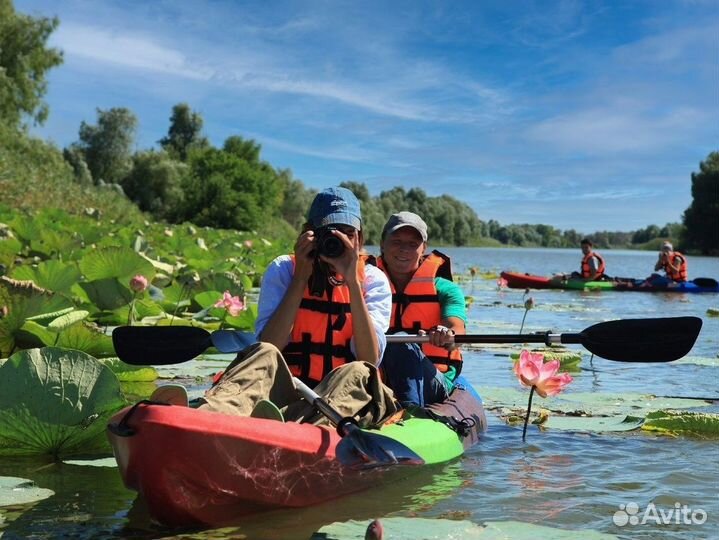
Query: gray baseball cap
405	219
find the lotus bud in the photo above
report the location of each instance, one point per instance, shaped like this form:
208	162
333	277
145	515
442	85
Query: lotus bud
138	283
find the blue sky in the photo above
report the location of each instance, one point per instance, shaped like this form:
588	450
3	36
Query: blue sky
589	115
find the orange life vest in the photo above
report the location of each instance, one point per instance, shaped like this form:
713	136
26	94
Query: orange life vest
417	307
321	334
681	274
587	271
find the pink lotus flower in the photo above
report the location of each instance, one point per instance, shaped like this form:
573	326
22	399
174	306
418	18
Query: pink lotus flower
248	244
138	283
232	304
533	372
502	283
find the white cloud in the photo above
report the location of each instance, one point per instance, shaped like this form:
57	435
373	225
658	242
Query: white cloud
119	48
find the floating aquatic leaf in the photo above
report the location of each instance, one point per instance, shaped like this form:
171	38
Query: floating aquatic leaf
53	275
129	373
53	315
114	262
66	320
683	422
108	293
57	402
102	462
23	299
17	491
403	528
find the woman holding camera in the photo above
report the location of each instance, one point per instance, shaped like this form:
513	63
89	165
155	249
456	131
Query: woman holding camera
322	317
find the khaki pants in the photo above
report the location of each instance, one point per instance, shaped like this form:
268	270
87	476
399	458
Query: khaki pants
260	372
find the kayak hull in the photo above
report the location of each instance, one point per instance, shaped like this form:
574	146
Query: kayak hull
517	280
199	468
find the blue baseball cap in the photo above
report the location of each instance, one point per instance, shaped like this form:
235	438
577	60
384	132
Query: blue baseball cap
335	205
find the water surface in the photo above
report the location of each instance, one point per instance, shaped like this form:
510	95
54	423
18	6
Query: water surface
560	479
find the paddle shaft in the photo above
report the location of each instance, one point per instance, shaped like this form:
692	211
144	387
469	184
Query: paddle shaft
547	338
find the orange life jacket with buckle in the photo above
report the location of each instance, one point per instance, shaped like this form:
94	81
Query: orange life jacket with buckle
676	275
587	271
321	334
417	307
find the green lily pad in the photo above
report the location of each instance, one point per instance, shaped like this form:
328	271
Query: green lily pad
83	337
129	373
23	300
16	491
402	528
682	422
713	312
53	275
56	401
107	293
115	262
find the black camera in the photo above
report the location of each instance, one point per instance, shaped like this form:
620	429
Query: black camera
327	243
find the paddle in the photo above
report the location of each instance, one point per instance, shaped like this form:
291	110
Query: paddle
624	340
358	449
707	282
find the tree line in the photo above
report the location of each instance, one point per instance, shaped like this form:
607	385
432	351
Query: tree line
187	179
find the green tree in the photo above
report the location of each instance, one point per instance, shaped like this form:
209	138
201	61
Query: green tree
154	183
701	219
185	132
246	149
226	191
107	147
24	61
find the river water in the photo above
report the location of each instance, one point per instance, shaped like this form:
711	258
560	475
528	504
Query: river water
562	479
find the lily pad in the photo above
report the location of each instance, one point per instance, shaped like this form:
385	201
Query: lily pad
57	402
16	491
402	528
129	373
102	462
115	262
676	422
594	424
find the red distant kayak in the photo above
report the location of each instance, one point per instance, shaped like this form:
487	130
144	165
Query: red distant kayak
200	468
516	280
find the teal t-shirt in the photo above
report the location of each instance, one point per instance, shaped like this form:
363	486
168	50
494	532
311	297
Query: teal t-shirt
452	304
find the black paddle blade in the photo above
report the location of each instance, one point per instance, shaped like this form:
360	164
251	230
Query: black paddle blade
159	345
641	340
360	449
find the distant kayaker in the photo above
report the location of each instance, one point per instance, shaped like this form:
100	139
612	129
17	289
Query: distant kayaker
591	269
673	263
327	313
425	300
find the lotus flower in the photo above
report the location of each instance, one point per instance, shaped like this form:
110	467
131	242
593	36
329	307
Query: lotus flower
502	283
232	304
533	372
248	244
138	283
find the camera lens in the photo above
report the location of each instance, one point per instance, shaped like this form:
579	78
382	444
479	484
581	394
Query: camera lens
328	244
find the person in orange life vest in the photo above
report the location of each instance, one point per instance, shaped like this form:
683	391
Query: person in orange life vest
592	267
323	309
424	303
674	265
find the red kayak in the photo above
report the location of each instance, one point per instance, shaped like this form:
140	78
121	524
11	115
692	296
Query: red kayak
200	468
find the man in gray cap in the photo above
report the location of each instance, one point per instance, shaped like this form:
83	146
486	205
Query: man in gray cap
673	263
425	301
